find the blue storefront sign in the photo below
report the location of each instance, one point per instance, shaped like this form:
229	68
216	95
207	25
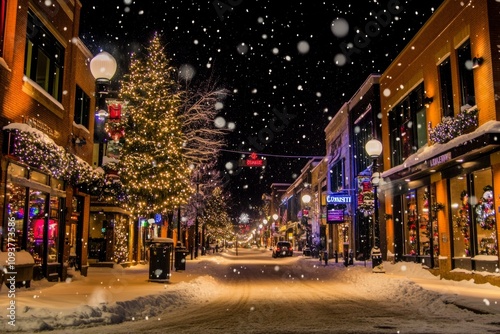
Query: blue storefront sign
336	203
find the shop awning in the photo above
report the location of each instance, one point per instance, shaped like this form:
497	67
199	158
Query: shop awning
484	139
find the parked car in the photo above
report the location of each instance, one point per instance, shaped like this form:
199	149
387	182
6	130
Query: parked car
283	248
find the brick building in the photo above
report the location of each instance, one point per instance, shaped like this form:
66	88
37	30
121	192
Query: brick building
440	125
47	121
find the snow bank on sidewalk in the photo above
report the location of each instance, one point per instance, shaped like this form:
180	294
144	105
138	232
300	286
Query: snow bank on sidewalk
31	319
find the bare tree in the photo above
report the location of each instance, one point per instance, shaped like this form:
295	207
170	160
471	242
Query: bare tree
203	137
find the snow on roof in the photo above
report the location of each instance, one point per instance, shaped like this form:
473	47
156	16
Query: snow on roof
428	152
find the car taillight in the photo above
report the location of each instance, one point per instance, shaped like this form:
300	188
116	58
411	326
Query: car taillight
290	248
278	249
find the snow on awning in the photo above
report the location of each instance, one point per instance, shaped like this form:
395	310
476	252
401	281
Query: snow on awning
429	152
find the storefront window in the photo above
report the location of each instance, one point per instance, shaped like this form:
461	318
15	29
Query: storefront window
17	171
484	213
36	215
423	202
36	224
97	236
38	177
53	229
461	211
16	199
410	219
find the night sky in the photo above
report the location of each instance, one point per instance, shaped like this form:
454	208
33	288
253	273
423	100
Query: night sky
285	59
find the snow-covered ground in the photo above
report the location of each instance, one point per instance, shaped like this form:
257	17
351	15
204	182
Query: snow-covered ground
219	289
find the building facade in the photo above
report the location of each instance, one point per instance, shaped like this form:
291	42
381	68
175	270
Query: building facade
440	125
300	216
349	201
45	114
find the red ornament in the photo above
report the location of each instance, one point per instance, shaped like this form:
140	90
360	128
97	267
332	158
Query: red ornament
115	111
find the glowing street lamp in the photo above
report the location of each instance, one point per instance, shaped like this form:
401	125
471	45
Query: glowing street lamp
103	68
374	148
306	199
273	229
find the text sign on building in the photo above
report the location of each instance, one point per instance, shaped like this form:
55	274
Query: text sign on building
334	216
338	199
440	159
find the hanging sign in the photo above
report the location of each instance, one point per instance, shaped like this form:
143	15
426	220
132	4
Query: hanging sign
334	216
252	161
338	198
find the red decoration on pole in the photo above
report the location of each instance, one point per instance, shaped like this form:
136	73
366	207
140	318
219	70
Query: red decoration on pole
115	111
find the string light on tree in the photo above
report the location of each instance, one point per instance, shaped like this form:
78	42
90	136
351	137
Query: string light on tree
152	167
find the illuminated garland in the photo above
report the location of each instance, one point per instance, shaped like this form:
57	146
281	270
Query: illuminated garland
121	250
451	128
38	151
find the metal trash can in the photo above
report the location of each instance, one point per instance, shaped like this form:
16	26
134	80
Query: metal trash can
306	251
180	258
376	259
160	251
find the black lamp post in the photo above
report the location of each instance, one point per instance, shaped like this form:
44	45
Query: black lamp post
274	229
196	222
307	199
374	148
103	68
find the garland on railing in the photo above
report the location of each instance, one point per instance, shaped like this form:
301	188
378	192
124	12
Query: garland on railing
451	128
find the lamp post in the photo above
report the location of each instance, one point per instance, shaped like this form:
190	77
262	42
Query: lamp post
374	148
264	221
103	68
273	230
261	235
306	199
196	221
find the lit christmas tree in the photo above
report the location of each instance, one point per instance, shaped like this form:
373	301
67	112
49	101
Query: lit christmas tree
215	215
152	169
121	241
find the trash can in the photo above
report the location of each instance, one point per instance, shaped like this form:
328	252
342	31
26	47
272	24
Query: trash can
22	264
376	260
180	258
160	251
306	251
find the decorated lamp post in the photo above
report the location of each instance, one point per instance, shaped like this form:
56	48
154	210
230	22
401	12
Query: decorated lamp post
273	229
267	232
374	148
103	68
306	199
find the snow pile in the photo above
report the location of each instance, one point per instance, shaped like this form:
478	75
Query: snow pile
100	310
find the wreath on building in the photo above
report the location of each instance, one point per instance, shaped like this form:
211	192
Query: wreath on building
485	210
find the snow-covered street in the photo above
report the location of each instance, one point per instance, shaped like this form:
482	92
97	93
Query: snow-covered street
254	293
